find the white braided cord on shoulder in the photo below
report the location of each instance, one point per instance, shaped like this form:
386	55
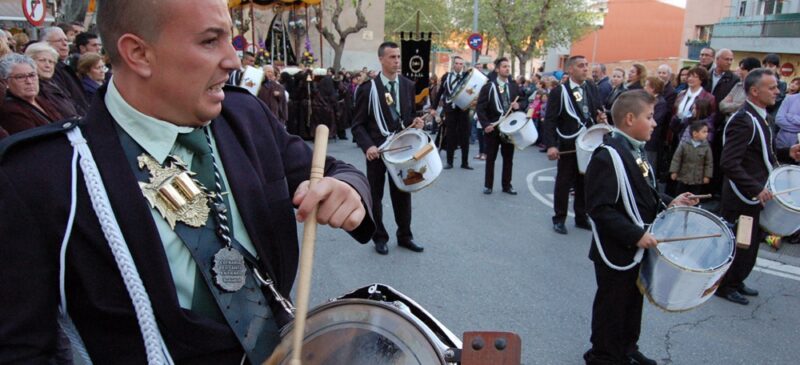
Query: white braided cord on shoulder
156	350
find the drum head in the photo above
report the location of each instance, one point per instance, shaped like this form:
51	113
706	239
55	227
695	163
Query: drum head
699	255
364	332
411	137
593	137
513	122
783	178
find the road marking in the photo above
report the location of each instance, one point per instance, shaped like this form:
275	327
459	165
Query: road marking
550	196
546	178
531	177
778	269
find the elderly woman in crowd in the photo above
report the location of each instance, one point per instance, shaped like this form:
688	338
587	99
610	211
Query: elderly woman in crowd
636	76
737	96
92	72
23	108
46	58
687	98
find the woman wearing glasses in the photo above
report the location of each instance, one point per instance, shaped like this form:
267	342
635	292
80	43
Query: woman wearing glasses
46	58
23	107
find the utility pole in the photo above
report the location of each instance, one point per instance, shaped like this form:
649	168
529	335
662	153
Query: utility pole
475	53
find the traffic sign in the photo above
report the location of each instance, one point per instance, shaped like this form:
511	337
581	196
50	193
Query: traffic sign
34	11
239	43
787	69
475	41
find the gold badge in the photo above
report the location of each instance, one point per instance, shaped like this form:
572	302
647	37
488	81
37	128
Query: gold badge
578	96
174	193
643	167
389	99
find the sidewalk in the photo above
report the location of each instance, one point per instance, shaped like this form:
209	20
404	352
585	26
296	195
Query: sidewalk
788	253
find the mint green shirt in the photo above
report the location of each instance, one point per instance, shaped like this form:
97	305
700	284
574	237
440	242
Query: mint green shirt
636	146
396	95
157	138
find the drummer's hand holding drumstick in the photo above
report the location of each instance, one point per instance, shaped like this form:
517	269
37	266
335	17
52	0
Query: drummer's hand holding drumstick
602	117
552	153
647	241
489	128
418	123
515	105
372	153
340	205
764	196
685	199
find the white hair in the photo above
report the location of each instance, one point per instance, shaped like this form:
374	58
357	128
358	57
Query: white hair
721	51
667	67
46	32
41	47
9	61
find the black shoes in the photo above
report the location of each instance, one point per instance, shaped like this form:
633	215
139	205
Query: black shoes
637	358
487	191
411	246
583	225
510	190
467	167
734	296
745	290
381	248
448	166
560	228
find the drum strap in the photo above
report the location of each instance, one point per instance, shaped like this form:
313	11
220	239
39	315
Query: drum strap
375	106
764	155
629	201
567	104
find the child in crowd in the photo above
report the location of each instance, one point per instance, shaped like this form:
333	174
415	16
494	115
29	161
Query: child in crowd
701	111
692	163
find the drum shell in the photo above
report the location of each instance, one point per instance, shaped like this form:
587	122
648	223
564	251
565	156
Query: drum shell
675	288
522	137
584	150
777	217
252	78
429	165
469	91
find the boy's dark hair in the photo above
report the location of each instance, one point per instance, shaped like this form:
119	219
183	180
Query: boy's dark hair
633	101
749	63
702	109
697	126
771	59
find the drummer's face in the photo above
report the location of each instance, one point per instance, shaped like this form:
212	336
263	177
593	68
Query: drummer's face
458	65
641	126
390	61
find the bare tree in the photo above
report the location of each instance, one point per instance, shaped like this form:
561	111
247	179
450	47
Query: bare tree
341	34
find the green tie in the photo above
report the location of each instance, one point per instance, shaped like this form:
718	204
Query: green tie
392	90
202	161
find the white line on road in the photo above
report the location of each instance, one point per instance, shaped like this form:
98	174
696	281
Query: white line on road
778	269
536	194
546	178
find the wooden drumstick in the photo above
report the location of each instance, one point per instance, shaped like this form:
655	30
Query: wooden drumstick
566	152
506	113
688	238
786	191
403	148
307	253
702	196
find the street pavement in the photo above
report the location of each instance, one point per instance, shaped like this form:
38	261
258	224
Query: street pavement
492	262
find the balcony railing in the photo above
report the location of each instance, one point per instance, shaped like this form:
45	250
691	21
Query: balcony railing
781	25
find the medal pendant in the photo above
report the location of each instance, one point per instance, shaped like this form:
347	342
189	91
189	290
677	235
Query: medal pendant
643	167
389	99
578	96
229	269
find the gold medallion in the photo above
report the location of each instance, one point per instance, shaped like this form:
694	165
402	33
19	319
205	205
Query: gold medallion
578	96
173	192
643	167
389	99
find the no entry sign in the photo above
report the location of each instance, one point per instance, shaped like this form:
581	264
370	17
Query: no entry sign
787	69
34	11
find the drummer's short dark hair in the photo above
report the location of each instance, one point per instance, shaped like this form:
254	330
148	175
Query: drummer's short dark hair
118	17
633	101
384	46
754	77
571	61
500	60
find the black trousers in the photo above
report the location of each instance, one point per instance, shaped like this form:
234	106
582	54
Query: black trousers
616	315
493	144
457	134
743	259
401	203
567	176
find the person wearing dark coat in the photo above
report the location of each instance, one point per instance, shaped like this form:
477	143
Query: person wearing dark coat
225	135
602	81
23	107
457	125
747	160
274	95
384	106
498	97
65	76
571	108
617	307
661	114
720	82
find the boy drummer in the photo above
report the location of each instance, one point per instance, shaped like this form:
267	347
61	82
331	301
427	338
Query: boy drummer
621	230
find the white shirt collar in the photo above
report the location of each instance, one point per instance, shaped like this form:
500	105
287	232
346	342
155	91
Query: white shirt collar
761	111
573	84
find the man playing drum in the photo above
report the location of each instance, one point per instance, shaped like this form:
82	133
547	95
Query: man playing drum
747	160
499	96
385	105
455	119
571	108
621	229
207	255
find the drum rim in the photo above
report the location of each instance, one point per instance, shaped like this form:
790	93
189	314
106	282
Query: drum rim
463	86
503	122
608	128
429	334
726	231
423	136
771	183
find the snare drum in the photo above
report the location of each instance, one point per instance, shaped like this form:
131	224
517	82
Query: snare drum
587	142
412	159
781	215
519	130
678	276
374	325
469	89
252	79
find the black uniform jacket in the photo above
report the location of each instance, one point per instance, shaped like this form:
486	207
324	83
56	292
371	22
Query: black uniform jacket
447	89
556	116
618	233
742	160
488	102
264	166
365	128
